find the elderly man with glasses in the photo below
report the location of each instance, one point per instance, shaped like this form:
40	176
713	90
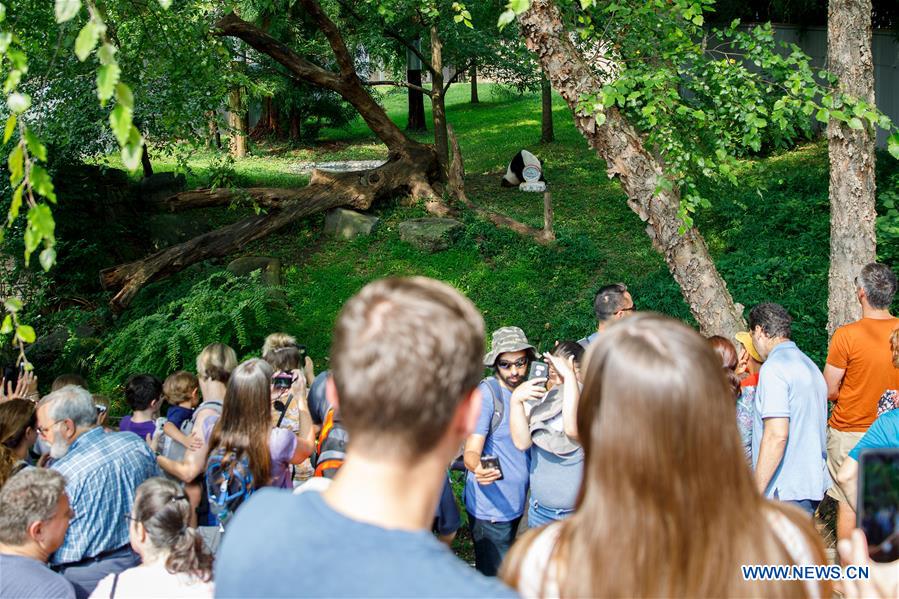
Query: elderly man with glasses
497	481
102	471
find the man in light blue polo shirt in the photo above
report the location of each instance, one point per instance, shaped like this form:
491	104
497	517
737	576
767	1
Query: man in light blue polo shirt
789	433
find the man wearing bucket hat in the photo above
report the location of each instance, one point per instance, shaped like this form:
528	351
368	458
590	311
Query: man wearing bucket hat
495	497
748	364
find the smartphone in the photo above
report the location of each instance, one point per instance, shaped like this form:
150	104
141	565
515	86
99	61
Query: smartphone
538	370
491	461
878	502
11	375
282	380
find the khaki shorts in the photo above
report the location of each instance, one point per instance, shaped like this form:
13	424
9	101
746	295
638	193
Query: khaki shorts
839	444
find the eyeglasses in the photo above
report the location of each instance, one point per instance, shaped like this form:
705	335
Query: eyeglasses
43	430
507	365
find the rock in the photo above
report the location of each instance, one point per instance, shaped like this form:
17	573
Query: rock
270	267
349	224
431	234
168	229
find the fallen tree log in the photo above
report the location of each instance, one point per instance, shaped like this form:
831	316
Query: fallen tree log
410	172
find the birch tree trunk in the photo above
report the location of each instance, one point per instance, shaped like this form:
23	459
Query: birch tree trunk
640	173
852	158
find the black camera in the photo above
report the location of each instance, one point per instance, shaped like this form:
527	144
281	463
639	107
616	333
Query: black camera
282	380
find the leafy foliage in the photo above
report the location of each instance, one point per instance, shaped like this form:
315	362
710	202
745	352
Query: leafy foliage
167	335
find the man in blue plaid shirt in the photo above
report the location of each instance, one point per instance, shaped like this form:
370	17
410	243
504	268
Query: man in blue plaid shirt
103	471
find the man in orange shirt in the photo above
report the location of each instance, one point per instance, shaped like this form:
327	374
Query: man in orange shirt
859	369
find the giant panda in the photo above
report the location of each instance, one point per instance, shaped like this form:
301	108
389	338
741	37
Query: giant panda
513	176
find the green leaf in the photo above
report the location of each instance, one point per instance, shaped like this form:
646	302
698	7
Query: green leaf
2	13
66	10
165	4
823	115
107	77
6	328
12	80
839	115
458	18
86	41
10	128
505	18
25	333
856	123
893	145
698	20
40	220
518	6
47	258
131	151
16	203
106	54
42	183
35	147
18	103
120	121
16	163
12	304
5	39
124	96
585	4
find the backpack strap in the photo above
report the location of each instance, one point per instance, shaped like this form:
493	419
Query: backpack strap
496	394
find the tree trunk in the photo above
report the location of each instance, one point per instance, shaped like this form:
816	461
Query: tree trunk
474	83
357	190
640	173
238	143
547	134
145	162
852	160
215	134
438	107
416	120
294	124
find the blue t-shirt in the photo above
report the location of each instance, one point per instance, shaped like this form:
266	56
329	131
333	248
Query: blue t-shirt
26	578
883	434
503	500
284	545
791	386
177	415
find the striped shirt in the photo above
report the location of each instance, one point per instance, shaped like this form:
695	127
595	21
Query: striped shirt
103	471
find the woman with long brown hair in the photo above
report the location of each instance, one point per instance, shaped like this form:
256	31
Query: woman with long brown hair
246	452
667	506
18	432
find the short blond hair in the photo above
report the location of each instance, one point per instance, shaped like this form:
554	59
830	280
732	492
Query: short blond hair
216	362
277	341
179	387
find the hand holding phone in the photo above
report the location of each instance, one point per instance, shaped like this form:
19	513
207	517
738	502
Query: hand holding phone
538	370
491	463
878	510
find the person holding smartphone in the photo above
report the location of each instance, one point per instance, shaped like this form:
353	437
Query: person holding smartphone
549	434
497	481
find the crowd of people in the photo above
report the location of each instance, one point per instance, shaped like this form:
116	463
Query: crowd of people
645	459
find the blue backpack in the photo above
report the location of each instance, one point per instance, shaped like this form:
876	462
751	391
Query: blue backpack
229	481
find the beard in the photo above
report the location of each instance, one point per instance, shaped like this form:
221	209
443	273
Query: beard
59	448
510	382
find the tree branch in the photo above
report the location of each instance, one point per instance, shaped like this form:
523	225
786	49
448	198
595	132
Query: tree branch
233	26
343	56
456	75
392	34
423	90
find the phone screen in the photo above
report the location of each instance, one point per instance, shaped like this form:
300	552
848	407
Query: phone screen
878	513
491	461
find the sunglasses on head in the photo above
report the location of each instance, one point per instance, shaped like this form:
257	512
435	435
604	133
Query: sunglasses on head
507	365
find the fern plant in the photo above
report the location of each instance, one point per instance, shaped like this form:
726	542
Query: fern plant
224	308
